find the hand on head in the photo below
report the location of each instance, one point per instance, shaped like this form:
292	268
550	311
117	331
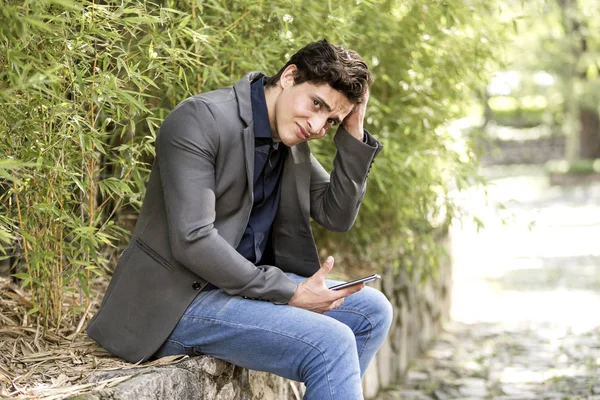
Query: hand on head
354	122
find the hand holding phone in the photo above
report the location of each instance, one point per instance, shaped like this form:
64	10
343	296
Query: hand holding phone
366	279
313	294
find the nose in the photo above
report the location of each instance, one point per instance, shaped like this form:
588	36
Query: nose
316	125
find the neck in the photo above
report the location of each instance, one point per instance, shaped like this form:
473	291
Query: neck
271	95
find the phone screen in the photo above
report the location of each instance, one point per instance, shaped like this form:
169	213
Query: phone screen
366	279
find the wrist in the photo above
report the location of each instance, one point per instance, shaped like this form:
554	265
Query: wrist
357	132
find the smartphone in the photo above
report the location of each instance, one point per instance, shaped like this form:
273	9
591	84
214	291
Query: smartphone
366	279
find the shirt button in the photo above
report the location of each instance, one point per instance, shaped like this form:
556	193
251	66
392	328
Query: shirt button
196	285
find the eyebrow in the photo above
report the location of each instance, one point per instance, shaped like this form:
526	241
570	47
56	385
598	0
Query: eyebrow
328	107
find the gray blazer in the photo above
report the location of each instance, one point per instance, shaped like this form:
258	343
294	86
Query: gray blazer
197	205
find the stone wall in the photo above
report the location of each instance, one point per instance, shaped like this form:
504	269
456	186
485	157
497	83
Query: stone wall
419	310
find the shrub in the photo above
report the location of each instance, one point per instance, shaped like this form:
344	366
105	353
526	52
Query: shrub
84	85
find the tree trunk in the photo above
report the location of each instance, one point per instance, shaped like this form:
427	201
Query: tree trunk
589	133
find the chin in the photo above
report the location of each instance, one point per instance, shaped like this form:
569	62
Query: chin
290	143
290	140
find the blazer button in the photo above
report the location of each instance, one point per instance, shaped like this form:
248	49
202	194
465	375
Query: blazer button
196	285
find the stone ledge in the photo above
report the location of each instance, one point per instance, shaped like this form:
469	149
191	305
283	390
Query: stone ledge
192	378
200	377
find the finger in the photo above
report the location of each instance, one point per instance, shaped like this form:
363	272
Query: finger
337	303
350	289
325	269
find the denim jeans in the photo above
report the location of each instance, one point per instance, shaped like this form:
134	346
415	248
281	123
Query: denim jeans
329	352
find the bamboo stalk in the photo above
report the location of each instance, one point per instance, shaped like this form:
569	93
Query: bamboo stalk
92	165
54	290
234	23
60	276
24	240
197	51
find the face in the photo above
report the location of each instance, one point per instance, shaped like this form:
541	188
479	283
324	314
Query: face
305	112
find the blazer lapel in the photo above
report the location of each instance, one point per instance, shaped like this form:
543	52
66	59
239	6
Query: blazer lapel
248	140
242	92
299	170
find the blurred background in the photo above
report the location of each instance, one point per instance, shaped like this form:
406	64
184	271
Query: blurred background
526	267
481	212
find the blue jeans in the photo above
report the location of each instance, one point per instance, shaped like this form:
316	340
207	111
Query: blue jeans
329	352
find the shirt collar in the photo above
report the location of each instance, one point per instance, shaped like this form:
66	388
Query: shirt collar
260	113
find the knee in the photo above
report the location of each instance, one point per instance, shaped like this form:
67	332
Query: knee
332	343
334	340
339	338
382	312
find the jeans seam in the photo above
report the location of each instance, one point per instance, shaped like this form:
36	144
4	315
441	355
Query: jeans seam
274	332
185	348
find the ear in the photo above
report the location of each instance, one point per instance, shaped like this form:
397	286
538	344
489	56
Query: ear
288	76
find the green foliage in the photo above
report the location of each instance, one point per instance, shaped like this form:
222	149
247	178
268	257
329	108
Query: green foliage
563	37
523	111
579	167
84	86
428	58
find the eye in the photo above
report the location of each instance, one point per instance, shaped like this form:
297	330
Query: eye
331	122
316	103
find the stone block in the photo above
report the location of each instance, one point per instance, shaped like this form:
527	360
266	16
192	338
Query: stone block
213	366
168	384
229	391
384	359
403	342
370	381
267	386
387	281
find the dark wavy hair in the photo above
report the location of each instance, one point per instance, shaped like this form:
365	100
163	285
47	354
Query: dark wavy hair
325	63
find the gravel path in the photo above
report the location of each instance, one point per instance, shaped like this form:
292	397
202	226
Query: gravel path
526	297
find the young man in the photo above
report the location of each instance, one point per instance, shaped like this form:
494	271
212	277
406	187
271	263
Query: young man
225	224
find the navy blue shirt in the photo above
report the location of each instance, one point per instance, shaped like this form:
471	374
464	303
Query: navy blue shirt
269	158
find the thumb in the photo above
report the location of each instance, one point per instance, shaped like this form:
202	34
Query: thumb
326	268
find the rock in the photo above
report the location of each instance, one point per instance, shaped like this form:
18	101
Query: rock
439	395
413	376
227	392
213	366
414	395
370	381
175	384
384	359
473	387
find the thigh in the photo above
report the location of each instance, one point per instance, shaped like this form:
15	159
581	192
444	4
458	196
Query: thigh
258	335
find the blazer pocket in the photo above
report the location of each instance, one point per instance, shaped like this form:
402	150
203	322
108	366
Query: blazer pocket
153	254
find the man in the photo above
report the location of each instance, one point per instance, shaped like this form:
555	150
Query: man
225	224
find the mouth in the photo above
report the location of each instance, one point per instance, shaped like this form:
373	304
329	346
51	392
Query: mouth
302	133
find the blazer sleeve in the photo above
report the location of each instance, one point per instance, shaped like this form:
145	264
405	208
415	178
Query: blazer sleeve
186	148
335	199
